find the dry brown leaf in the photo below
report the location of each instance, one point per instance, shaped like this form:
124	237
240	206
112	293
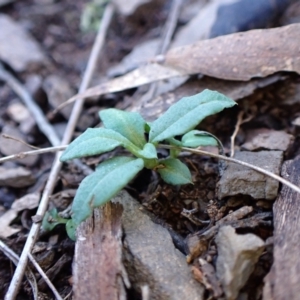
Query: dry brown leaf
144	75
29	201
241	56
238	56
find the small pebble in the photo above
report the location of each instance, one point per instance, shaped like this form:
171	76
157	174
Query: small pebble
18	112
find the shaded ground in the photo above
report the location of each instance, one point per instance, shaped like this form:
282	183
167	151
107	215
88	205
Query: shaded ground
55	25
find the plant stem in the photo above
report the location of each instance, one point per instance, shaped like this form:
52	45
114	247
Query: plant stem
229	159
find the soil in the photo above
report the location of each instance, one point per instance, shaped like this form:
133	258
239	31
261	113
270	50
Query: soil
55	25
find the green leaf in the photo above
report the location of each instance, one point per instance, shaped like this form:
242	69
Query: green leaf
98	188
174	142
52	219
174	171
196	138
71	229
187	113
96	141
129	124
148	152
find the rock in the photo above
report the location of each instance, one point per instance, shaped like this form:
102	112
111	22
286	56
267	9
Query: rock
16	177
151	258
237	179
128	7
9	146
17	47
267	139
237	256
18	112
58	91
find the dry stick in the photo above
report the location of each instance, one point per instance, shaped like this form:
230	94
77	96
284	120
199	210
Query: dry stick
35	110
15	259
32	236
170	27
258	169
9	137
236	130
45	277
240	121
165	42
169	30
201	152
37	113
32	152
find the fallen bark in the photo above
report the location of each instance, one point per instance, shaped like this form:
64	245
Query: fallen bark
282	282
97	266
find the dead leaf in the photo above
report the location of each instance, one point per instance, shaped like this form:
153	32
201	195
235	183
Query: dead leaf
58	89
10	146
17	46
29	201
5	220
241	56
238	56
16	177
144	75
137	57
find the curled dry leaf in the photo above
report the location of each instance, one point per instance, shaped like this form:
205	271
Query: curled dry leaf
29	201
238	56
241	56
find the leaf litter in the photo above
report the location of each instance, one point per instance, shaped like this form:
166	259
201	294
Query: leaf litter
271	101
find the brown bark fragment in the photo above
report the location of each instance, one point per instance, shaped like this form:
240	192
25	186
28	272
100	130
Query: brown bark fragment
97	266
283	281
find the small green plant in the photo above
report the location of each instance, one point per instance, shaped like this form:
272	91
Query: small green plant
141	139
92	15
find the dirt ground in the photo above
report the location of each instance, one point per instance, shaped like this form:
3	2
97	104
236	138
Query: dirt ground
266	108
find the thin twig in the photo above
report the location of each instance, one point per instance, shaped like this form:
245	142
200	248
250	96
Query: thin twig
236	130
37	113
34	109
9	137
168	32
45	277
170	27
15	259
32	236
32	152
242	163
